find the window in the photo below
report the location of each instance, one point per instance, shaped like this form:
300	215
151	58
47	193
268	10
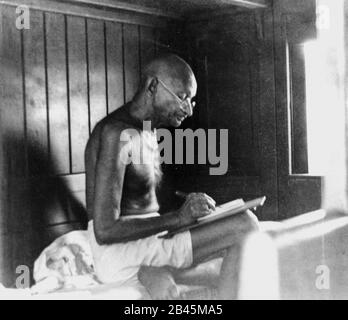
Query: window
315	69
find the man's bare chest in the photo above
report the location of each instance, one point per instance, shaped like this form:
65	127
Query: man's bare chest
145	159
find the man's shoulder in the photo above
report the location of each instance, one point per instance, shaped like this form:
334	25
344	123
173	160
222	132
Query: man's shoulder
115	126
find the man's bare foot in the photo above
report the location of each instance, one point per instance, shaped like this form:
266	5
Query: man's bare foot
159	282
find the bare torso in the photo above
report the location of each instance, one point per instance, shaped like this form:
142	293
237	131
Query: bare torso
140	179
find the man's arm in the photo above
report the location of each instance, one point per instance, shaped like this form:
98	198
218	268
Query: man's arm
109	179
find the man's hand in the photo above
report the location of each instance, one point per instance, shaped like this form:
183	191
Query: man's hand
197	205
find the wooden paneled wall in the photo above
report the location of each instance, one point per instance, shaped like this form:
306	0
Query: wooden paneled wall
241	63
234	62
58	79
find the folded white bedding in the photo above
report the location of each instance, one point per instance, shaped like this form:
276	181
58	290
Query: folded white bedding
66	268
64	271
66	264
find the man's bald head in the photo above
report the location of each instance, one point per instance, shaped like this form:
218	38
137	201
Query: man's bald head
166	92
170	68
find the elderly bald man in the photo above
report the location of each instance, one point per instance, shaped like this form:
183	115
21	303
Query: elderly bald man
121	199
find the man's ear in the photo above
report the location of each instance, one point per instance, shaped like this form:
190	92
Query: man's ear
151	85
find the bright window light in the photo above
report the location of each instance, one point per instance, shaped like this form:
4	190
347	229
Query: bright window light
325	102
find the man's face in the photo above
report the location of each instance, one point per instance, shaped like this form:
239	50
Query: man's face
174	101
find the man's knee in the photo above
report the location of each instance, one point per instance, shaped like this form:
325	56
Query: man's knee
241	225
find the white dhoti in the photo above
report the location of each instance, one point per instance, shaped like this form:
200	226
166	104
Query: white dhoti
119	263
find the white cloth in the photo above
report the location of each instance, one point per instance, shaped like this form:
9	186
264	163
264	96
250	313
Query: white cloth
66	263
120	263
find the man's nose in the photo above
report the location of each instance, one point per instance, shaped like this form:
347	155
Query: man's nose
188	108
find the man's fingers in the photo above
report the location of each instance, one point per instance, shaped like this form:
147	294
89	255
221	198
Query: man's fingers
210	198
201	207
206	199
208	209
211	204
203	197
204	212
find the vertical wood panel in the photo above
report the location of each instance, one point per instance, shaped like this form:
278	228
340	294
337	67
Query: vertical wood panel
12	94
131	57
3	259
299	149
230	99
24	226
5	263
114	65
47	113
78	91
147	45
57	90
254	47
2	193
35	88
12	126
161	42
97	74
267	124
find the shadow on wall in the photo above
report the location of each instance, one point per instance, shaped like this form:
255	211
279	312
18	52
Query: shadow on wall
37	205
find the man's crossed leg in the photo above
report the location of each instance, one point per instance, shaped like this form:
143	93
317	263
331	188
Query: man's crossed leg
216	259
